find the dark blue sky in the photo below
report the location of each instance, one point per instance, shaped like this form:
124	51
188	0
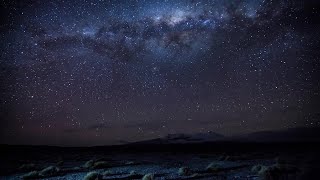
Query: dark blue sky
102	72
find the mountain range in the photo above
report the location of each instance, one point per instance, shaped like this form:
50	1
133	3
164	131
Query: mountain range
301	134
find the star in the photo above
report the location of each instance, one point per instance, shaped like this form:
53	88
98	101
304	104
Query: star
141	69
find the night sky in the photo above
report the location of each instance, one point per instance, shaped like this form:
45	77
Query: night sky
77	73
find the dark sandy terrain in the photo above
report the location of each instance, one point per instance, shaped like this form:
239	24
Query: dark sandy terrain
229	161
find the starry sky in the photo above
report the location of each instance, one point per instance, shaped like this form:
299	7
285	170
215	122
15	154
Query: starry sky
81	72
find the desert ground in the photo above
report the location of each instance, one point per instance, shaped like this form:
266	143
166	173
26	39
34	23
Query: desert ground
192	161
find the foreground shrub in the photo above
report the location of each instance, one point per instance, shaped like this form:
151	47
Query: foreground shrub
50	171
257	168
270	173
133	172
100	165
89	164
76	168
134	175
214	167
148	176
108	172
184	171
276	171
129	163
31	175
93	176
195	175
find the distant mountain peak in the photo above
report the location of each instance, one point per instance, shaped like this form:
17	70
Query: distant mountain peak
181	138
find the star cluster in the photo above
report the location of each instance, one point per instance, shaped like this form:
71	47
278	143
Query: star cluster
105	72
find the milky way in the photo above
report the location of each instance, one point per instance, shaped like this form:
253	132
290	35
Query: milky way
106	72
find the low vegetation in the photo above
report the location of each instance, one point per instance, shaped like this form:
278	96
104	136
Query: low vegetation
276	171
76	168
108	172
49	171
194	175
89	164
31	175
256	168
214	167
129	163
100	165
93	176
148	176
184	171
132	173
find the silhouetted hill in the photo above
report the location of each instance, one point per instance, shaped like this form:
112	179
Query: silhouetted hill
300	134
287	135
185	138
